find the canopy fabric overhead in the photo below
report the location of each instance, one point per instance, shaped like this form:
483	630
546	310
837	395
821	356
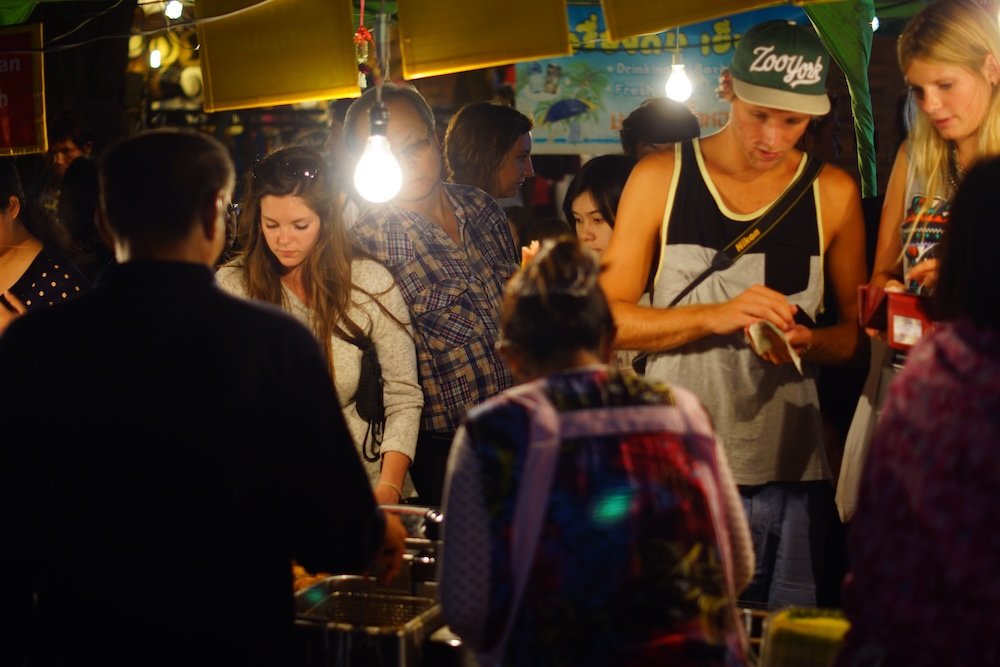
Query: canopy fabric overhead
442	37
276	53
437	39
628	18
845	28
14	12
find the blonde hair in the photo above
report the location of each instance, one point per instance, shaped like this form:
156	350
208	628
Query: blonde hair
949	32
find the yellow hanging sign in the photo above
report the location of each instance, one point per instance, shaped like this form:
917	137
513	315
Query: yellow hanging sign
443	37
276	52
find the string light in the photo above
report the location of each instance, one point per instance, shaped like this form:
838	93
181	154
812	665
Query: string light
377	176
155	59
678	85
173	10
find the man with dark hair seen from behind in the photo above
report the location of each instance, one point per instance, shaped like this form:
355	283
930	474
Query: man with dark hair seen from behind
655	125
153	519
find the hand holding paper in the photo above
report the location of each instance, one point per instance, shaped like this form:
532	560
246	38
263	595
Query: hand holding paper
770	343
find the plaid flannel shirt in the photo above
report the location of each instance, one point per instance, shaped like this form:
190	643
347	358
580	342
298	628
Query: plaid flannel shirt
453	294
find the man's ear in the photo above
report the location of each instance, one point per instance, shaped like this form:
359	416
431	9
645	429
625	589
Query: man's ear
87	148
13	206
213	215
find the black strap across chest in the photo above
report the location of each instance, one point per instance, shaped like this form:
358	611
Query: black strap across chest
760	227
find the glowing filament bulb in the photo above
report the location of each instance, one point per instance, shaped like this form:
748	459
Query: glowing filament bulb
174	9
378	177
678	85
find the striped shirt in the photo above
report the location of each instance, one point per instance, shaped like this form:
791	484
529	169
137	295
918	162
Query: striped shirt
453	294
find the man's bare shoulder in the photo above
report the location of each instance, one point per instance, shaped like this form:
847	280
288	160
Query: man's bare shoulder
837	182
840	199
656	164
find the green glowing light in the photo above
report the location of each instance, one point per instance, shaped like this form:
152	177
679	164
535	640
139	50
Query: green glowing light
612	507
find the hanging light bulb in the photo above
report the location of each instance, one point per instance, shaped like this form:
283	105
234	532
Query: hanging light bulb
678	85
173	10
155	59
378	177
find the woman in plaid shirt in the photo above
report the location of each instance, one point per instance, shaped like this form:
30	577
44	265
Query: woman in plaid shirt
450	249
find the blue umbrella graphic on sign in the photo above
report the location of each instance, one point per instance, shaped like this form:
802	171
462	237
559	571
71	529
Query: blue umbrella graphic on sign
564	109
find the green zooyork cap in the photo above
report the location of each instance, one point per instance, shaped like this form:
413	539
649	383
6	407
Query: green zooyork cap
780	65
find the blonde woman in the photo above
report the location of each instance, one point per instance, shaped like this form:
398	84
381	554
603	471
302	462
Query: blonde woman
949	54
950	57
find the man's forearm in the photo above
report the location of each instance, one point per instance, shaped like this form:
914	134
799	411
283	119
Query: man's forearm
657	329
837	345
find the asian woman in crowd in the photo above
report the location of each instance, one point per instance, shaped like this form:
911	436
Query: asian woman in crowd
590	206
592	198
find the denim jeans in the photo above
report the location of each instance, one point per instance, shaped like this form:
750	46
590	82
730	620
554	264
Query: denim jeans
794	528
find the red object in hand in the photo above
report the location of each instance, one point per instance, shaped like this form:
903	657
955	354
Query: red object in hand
907	319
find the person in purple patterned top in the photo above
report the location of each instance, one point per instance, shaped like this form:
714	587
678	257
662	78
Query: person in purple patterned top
450	250
643	544
924	546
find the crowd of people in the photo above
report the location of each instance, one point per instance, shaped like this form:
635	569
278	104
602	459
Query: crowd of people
621	423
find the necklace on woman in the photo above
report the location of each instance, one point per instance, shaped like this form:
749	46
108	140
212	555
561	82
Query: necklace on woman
955	171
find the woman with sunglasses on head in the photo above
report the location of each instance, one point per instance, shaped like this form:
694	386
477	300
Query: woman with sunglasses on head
950	57
295	253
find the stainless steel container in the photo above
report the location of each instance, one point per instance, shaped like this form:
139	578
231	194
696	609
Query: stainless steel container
349	621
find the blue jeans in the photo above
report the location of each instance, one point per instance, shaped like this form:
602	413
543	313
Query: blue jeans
792	533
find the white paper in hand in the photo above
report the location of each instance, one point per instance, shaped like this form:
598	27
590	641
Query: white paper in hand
762	342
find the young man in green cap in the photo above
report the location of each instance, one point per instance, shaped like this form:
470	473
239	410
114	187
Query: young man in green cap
682	207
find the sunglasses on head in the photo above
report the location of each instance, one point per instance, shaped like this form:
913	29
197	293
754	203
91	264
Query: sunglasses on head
232	223
232	212
300	167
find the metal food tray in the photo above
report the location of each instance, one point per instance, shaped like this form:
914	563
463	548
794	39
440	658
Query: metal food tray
349	620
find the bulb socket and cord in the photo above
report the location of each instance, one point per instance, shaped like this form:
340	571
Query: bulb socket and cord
378	177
